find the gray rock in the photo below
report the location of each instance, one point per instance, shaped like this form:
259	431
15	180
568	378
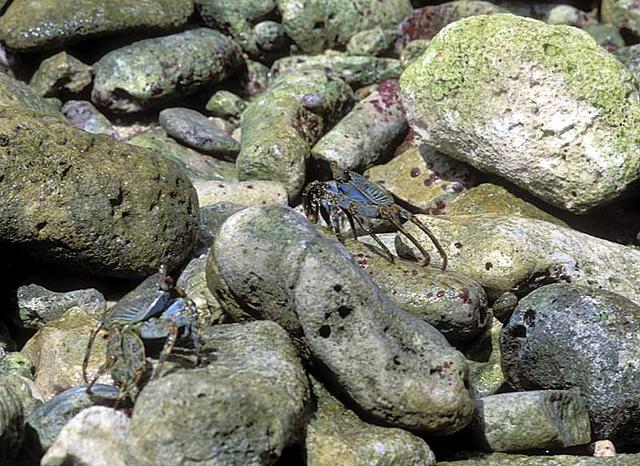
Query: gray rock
279	127
337	436
401	372
37	305
59	74
246	193
82	114
367	133
89	202
53	23
226	104
622	14
193	129
44	424
174	66
18	94
371	42
561	336
96	436
270	36
248	404
198	167
606	35
503	459
507	114
256	79
543	419
211	219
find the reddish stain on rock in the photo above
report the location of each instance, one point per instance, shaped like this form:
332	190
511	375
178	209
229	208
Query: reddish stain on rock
464	295
415	171
440	294
388	91
488	266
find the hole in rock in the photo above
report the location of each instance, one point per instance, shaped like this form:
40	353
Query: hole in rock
325	331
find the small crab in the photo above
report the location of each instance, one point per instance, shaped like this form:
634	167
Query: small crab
359	199
155	309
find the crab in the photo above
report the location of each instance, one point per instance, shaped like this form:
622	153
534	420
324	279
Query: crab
351	195
155	309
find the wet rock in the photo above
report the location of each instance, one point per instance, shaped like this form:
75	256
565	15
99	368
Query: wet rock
89	202
622	14
336	435
270	36
424	178
95	436
511	253
211	219
248	404
367	133
562	336
58	349
246	193
193	129
504	459
54	23
45	422
193	281
505	121
60	74
84	115
315	26
11	420
356	70
426	22
493	199
543	419
371	42
236	19
37	305
17	94
401	373
226	104
279	127
174	66
16	363
484	359
606	35
198	167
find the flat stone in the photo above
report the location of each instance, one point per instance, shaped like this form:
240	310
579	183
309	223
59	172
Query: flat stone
82	114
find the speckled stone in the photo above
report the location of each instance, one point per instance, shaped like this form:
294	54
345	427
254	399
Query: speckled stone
84	115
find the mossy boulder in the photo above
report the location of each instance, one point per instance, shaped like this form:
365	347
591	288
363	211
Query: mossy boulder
543	106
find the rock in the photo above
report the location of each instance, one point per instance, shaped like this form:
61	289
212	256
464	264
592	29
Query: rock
503	459
603	448
452	303
369	132
58	349
543	419
563	336
270	36
630	57
59	74
511	253
211	219
17	94
256	78
426	22
246	193
37	305
356	70
401	373
54	23
279	127
248	404
226	104
488	198
498	115
374	41
89	202
236	19
336	435
606	35
45	423
82	114
565	14
193	281
315	26
11	421
95	436
174	66
412	50
16	363
424	178
484	359
27	392
622	14
6	342
197	166
193	129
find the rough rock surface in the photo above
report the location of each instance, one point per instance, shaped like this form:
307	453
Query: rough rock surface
59	74
18	94
247	193
84	115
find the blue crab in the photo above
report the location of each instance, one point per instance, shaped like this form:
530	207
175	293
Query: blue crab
353	196
155	309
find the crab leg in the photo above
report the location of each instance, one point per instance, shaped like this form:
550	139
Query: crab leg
172	328
87	354
434	240
366	228
111	358
426	257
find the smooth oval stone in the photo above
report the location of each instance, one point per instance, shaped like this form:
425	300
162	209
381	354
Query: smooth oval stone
193	129
36	24
91	203
249	403
152	71
562	336
270	36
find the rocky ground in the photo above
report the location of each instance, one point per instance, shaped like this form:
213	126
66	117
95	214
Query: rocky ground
139	135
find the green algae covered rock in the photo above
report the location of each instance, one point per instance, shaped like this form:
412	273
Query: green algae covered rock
89	202
548	109
315	25
504	459
621	13
174	66
17	94
36	24
61	73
